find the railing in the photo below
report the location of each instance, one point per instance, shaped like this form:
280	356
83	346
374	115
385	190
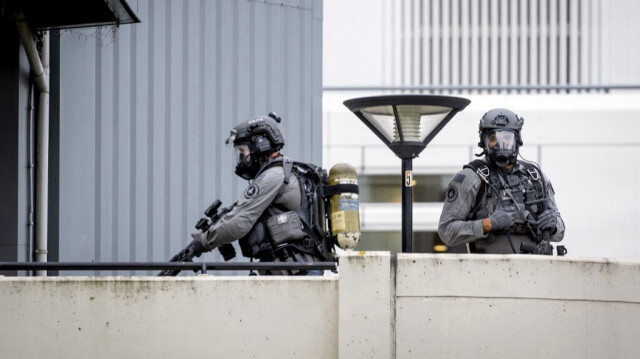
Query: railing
203	267
441	88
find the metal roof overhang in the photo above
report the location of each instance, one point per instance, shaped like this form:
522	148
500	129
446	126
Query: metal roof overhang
63	14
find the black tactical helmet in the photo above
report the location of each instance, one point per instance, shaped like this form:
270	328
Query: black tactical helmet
500	120
254	140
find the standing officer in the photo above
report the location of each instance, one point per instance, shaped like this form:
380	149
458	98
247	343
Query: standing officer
268	216
500	204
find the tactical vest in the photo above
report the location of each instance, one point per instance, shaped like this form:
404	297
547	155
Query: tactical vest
303	230
524	188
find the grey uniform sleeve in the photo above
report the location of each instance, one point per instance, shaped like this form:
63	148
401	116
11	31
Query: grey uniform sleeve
556	237
454	228
250	206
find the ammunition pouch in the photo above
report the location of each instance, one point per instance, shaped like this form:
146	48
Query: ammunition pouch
256	243
267	239
285	228
291	230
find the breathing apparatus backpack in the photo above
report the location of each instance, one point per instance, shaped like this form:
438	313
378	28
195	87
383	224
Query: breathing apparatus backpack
328	215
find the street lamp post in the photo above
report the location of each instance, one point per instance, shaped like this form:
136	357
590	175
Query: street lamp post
406	124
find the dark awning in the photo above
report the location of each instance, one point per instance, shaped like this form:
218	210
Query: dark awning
62	14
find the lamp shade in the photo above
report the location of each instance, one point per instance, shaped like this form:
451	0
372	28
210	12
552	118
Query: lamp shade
406	123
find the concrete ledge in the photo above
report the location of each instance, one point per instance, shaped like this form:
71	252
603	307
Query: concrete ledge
366	305
494	306
518	276
150	317
380	305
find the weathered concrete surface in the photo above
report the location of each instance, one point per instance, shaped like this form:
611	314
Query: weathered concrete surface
379	306
366	309
187	317
482	306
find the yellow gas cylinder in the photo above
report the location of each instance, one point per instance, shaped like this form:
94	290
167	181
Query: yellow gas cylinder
344	207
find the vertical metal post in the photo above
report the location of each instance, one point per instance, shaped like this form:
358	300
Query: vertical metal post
407	205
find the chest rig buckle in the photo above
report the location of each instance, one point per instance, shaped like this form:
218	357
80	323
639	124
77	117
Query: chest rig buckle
533	173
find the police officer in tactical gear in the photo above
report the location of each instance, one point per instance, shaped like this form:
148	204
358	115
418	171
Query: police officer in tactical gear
500	204
272	194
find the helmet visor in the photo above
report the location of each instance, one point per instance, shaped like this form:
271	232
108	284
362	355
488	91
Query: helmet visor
500	140
241	153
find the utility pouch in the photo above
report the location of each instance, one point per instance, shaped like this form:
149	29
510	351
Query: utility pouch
520	211
285	227
254	243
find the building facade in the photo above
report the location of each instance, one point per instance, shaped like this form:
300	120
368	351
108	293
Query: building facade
567	66
139	115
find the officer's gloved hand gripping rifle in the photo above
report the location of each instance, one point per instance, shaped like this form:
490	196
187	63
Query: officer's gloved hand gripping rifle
545	222
503	218
195	248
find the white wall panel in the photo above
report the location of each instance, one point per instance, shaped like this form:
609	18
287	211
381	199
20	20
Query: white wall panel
426	39
455	43
563	34
533	44
600	212
504	42
465	47
474	42
543	30
523	45
493	42
512	64
465	42
436	41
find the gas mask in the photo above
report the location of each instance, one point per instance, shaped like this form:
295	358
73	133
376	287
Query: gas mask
501	147
247	166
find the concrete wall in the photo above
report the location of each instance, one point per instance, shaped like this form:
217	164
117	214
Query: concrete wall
146	317
379	306
507	307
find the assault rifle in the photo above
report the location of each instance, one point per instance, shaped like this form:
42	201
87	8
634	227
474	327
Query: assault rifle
544	246
213	214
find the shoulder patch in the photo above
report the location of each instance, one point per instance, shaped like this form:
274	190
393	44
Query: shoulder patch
452	193
251	191
459	178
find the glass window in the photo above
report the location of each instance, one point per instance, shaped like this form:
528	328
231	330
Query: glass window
423	242
388	188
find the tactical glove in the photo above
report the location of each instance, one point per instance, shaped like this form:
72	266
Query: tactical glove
196	248
502	219
547	221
